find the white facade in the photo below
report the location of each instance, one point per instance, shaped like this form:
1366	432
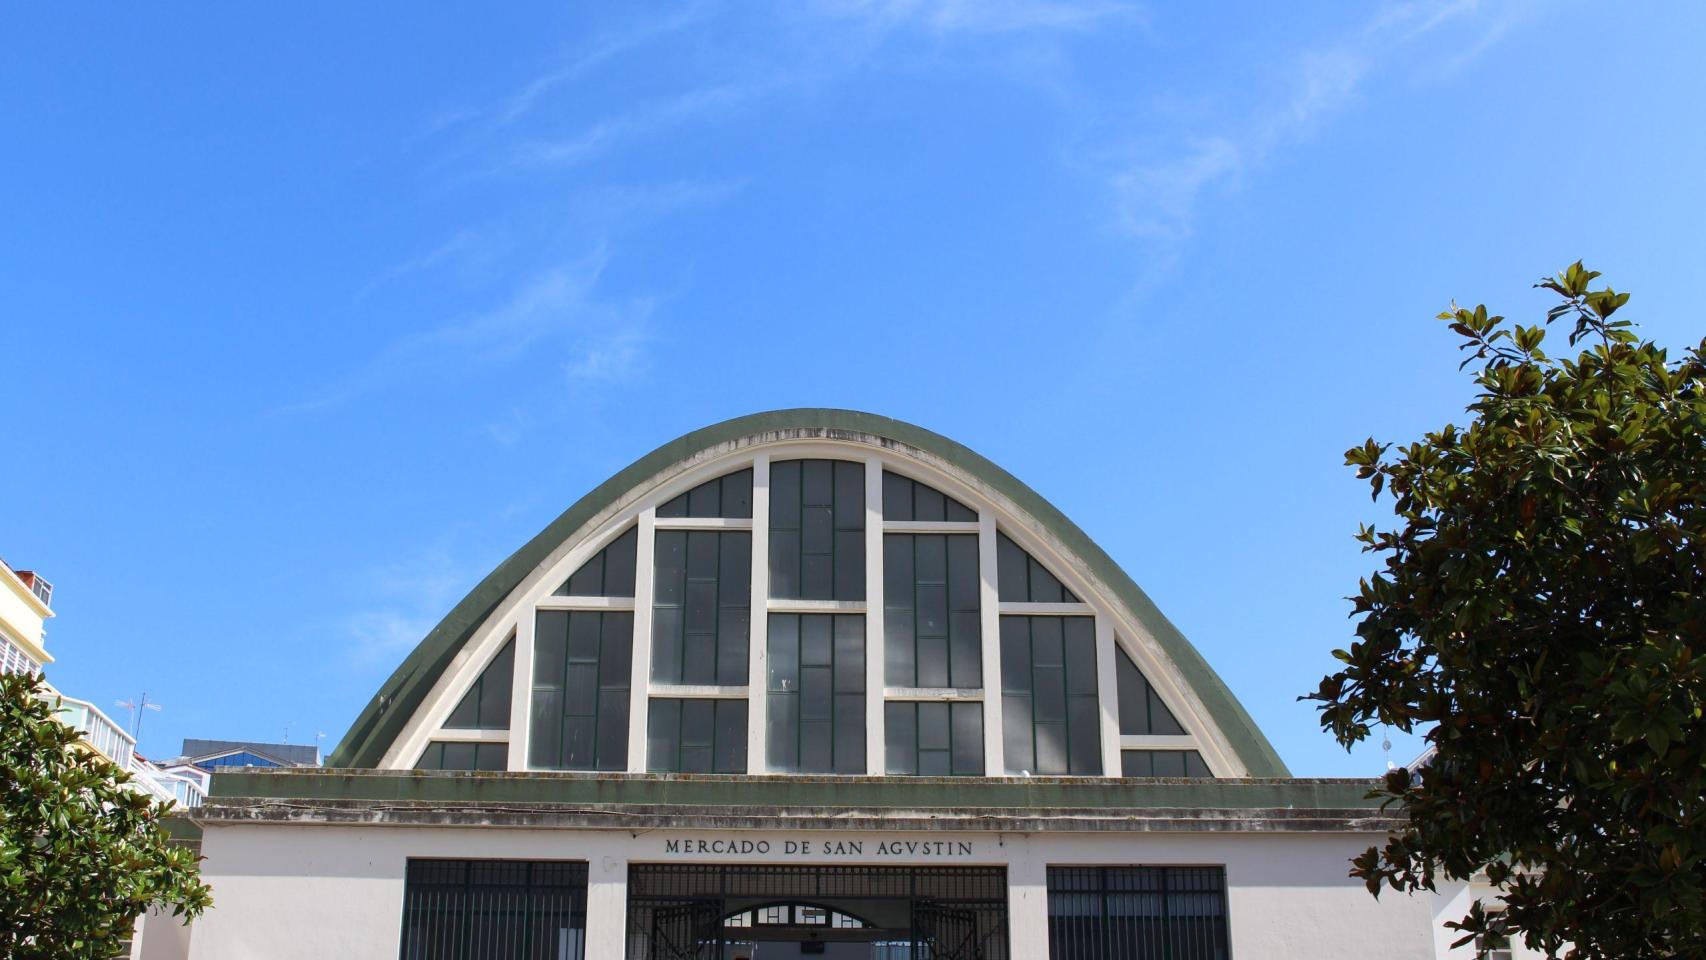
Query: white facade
1072	681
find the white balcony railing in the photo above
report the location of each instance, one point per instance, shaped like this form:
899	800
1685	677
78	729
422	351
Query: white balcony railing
98	729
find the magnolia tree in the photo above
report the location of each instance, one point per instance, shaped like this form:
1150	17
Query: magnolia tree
81	853
1538	611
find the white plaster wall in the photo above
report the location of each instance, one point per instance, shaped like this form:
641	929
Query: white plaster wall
1452	902
312	892
161	936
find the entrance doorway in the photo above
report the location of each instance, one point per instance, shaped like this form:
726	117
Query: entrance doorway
764	912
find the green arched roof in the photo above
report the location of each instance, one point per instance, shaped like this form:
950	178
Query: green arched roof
401	695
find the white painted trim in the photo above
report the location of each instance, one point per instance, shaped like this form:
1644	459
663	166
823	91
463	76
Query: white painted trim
876	744
703	523
925	526
521	692
555	602
696	691
933	693
989	621
1157	742
457	735
641	670
995	511
1048	609
758	634
1108	696
786	605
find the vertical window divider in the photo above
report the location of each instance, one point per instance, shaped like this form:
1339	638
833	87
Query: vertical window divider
1108	695
989	597
640	675
521	689
875	718
758	641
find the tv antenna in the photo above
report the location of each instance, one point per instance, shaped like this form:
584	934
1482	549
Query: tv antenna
136	707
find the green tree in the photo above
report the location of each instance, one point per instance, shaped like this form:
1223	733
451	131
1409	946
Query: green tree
1538	612
81	853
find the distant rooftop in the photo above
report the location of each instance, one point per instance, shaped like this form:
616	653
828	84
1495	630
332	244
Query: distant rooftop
298	754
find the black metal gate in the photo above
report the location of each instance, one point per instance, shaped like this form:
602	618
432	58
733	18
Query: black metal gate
678	911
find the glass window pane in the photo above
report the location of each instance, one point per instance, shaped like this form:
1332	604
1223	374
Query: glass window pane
669	584
1047	641
933	726
1016	654
1012	571
1169	763
458	756
1080	656
932	661
663	735
495	685
1051	749
612	730
900	736
699	658
619	564
897	497
817	483
849	654
967	727
849	495
667	638
737	495
730	751
849	733
782	735
784	653
785	494
1017	735
817	577
816	646
784	563
1194	765
732	638
850	565
965	649
816	746
1136	763
1050	694
1084	727
705	500
899	669
928	503
1161	719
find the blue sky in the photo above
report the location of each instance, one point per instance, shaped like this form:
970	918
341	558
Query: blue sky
310	317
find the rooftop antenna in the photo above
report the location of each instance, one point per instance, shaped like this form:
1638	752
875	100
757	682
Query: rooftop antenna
136	707
1386	747
286	733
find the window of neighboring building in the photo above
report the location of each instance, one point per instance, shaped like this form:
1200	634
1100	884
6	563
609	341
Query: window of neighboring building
581	666
1495	944
1173	912
816	693
700	610
486	704
1021	579
906	499
610	572
934	738
696	736
450	755
492	909
932	632
13	659
1051	721
817	530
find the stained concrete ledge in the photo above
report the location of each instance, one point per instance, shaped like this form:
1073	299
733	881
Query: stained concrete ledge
650	801
236	811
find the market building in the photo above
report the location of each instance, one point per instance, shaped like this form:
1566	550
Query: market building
803	683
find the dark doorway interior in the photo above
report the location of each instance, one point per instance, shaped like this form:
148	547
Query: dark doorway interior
764	912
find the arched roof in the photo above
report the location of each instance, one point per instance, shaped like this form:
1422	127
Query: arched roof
401	695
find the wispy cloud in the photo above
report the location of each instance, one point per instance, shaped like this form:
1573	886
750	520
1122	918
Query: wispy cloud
639	123
407	599
985	16
555	312
1157	197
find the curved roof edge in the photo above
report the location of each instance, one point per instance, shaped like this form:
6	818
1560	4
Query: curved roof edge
401	695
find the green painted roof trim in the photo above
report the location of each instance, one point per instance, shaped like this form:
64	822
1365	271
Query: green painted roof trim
383	719
792	792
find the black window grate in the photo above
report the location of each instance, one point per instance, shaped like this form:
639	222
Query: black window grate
494	910
1137	913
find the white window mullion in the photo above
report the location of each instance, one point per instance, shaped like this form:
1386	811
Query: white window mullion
875	743
989	606
641	670
521	690
757	643
1108	692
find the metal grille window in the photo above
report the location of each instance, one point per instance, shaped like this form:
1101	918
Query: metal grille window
934	738
931	634
728	496
906	499
1051	722
696	736
494	910
816	689
581	663
817	530
610	572
449	755
486	704
1137	913
1021	579
701	607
